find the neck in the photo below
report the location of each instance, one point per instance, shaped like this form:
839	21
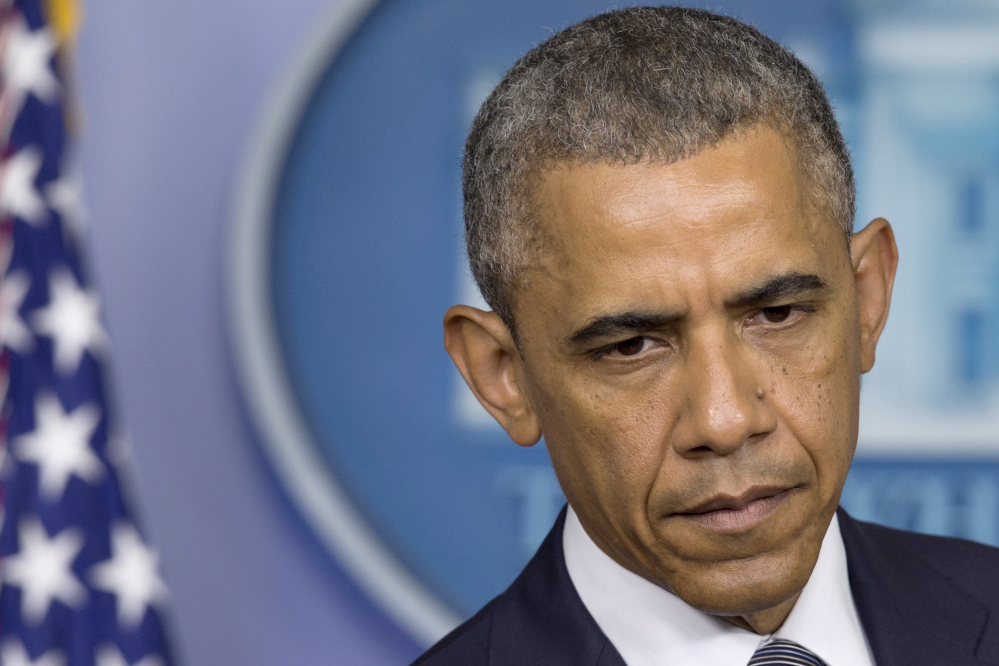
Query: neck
766	621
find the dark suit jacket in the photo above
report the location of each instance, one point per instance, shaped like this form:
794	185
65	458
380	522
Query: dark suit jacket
923	601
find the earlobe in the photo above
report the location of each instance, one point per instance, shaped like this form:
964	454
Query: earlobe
874	258
485	354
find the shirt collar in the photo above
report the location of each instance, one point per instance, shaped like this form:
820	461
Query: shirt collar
650	626
825	619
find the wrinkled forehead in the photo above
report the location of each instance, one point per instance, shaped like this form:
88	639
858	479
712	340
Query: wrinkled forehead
741	202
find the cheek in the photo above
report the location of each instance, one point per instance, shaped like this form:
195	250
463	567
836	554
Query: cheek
606	442
816	392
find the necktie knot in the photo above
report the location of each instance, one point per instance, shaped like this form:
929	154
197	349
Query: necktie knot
782	652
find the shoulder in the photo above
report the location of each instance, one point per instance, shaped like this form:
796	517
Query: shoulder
466	645
539	619
969	565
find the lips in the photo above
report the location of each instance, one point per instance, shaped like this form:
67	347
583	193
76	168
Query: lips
726	513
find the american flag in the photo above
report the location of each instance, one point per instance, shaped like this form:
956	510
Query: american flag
80	586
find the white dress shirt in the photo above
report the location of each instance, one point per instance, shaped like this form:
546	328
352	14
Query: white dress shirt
652	627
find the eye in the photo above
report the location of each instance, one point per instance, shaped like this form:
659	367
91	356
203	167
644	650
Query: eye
777	315
631	346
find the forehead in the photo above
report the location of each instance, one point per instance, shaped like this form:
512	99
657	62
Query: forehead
724	216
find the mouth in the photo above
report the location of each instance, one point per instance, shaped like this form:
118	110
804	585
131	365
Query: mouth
726	513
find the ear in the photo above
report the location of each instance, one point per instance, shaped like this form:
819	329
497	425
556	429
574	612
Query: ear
481	345
875	257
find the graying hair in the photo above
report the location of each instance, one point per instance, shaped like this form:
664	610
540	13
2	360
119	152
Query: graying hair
645	83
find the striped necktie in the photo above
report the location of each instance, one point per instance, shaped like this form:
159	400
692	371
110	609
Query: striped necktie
781	652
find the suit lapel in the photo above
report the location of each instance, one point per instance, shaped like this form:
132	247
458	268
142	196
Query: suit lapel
540	619
912	614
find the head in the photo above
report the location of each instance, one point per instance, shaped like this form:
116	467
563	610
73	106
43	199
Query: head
658	210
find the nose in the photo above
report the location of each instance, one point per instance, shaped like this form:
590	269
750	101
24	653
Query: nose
725	404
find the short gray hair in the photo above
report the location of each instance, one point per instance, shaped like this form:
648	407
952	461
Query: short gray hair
645	83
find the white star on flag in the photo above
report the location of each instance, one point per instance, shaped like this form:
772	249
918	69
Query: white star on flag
18	194
71	319
14	654
131	575
110	655
65	196
14	333
42	568
60	445
27	62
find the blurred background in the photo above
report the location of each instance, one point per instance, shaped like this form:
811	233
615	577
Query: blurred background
361	109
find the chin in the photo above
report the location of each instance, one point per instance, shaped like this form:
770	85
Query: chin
742	587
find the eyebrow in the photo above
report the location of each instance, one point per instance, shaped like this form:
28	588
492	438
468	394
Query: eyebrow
774	289
625	322
778	288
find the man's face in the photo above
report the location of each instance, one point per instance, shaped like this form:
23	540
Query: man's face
692	351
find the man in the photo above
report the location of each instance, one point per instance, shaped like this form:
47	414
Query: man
659	208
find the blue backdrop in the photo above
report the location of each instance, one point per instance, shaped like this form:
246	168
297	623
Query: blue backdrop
367	256
367	235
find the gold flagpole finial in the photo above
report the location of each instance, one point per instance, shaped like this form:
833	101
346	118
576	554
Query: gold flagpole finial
65	18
